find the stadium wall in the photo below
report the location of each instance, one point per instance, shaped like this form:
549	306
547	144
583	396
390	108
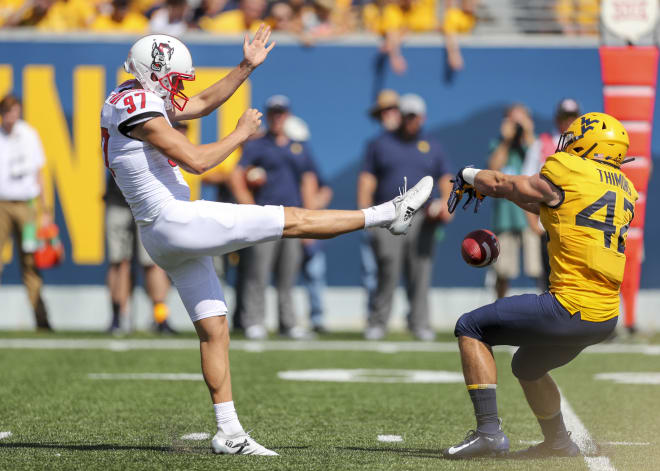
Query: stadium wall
64	81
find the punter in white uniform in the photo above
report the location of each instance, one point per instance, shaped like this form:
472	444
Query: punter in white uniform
144	154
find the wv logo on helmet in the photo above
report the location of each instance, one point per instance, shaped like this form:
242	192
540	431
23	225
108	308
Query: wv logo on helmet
587	124
158	53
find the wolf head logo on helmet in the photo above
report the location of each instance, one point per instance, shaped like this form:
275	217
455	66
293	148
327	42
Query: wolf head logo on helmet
160	63
158	53
596	136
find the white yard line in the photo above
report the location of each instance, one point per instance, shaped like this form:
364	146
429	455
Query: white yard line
390	438
626	443
120	345
148	376
581	436
5	435
196	436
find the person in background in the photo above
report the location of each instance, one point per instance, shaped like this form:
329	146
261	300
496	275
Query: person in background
457	20
393	20
287	179
171	18
123	243
120	19
546	144
314	261
406	152
386	111
247	17
507	154
50	15
578	17
21	195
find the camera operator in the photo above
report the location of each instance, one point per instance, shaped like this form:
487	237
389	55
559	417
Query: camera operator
507	154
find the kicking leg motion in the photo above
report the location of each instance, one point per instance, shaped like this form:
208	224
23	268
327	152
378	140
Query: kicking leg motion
185	236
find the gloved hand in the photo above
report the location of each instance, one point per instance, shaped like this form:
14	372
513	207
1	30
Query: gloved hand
460	188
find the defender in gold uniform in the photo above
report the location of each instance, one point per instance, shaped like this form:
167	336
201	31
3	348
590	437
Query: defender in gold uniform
586	205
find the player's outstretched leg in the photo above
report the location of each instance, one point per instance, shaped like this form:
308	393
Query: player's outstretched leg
396	215
480	375
230	439
543	398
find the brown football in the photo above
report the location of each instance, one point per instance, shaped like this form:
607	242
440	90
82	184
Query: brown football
480	248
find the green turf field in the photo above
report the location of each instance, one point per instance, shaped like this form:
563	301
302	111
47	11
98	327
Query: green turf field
59	418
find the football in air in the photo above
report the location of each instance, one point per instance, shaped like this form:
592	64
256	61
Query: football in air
480	248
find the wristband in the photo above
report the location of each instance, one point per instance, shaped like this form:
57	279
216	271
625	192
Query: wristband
469	174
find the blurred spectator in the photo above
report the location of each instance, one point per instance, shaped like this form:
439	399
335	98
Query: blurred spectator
510	223
567	111
123	244
121	18
52	15
281	17
578	16
171	18
21	161
393	155
314	263
386	112
457	20
279	171
247	17
394	20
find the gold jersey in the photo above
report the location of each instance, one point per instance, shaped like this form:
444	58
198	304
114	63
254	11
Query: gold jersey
587	234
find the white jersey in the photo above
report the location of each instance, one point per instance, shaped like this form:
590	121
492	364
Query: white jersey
146	177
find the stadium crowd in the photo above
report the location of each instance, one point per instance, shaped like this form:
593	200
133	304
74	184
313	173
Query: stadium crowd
308	20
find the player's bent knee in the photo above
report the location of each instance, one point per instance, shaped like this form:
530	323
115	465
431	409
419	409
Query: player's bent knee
466	326
526	368
212	325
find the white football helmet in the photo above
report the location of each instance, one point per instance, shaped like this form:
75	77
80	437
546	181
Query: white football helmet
160	63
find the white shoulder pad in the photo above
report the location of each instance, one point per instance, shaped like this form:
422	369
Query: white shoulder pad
134	107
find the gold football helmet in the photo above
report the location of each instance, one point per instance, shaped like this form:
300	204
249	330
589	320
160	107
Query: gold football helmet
596	136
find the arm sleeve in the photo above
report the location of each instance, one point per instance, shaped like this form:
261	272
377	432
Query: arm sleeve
556	169
135	107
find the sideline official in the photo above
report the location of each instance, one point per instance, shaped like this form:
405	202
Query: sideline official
407	152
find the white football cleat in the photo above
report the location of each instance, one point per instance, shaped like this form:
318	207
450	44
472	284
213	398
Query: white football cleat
239	444
408	203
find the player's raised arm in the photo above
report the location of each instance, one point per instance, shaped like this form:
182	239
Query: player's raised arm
193	158
254	53
528	192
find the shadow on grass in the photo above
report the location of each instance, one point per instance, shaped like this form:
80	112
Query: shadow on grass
414	452
176	448
90	447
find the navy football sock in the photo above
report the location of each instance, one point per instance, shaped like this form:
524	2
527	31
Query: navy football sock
115	315
485	407
553	428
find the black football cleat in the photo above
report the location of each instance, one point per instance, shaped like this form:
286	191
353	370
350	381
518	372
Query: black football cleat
477	445
561	447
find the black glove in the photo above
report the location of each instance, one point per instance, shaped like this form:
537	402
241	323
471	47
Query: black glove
460	188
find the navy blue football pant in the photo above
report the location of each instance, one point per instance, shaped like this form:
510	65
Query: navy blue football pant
547	334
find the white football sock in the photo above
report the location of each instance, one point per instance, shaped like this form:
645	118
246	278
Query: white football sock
227	419
377	216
